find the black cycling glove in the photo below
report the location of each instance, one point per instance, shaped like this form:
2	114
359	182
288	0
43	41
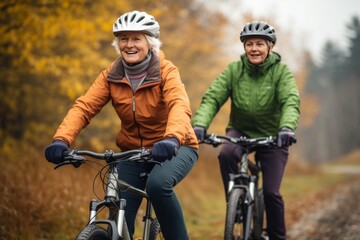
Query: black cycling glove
200	133
165	149
54	153
285	137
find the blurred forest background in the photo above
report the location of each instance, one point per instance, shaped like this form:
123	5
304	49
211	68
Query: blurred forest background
51	51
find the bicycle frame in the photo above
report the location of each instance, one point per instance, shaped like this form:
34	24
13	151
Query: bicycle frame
116	223
243	187
111	199
248	182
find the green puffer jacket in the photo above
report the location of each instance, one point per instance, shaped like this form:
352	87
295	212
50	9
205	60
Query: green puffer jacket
264	98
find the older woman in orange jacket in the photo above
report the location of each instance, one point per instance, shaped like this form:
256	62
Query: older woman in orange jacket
148	96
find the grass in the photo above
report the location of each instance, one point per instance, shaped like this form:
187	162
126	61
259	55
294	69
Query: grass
40	203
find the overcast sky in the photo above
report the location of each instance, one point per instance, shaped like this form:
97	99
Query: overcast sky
316	21
310	22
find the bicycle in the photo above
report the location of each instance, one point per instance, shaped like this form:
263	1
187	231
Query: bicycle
116	225
245	207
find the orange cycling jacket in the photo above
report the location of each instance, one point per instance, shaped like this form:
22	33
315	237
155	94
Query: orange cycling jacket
159	108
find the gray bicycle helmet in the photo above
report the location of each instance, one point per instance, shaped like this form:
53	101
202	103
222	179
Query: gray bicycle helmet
137	21
258	29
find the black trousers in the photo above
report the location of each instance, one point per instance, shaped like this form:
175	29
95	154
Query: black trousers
273	162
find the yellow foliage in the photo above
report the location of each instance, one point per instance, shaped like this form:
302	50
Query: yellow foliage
51	52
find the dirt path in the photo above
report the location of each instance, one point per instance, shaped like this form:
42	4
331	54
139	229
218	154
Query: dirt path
337	217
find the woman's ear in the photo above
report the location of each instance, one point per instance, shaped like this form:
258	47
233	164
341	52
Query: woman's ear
270	45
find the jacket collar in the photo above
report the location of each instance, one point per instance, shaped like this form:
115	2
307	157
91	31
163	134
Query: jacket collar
117	73
262	68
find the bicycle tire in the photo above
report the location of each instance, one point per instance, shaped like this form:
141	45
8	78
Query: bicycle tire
234	226
93	232
155	230
259	210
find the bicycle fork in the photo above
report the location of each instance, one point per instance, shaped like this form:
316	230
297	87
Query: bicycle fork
250	205
248	198
116	208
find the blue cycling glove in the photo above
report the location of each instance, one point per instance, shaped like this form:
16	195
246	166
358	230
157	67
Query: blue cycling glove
165	149
54	153
285	137
200	133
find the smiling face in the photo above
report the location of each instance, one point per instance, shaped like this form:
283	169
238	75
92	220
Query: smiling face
256	50
133	46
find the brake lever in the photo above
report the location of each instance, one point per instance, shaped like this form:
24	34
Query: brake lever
61	164
154	161
212	140
74	160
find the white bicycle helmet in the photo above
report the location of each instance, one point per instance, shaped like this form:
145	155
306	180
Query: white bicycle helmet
137	21
258	29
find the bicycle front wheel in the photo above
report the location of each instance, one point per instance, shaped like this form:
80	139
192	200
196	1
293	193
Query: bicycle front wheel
93	232
234	226
259	210
155	230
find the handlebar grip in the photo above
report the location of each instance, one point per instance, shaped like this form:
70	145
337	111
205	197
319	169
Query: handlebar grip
65	153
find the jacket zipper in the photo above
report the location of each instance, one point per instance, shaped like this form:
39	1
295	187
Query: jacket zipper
134	110
138	126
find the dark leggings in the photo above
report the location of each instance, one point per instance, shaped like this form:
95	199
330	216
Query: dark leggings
273	162
159	187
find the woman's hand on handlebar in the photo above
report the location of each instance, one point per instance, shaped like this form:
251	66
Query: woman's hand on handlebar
56	152
285	137
200	133
165	149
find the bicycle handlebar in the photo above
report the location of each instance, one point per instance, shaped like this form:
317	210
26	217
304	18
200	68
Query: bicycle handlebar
76	157
215	140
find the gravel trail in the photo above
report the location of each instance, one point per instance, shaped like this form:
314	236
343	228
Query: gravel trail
337	217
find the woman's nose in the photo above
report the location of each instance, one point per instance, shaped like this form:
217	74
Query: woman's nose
129	43
254	48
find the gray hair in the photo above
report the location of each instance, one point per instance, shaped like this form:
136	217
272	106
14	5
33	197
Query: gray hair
154	43
269	43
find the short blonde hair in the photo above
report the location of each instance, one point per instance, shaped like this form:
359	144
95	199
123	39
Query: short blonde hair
154	43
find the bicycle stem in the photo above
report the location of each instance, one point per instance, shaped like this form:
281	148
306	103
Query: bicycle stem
112	185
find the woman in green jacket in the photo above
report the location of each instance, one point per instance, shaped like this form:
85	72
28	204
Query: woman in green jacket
264	102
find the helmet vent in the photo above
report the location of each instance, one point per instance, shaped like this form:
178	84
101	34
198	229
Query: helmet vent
136	21
140	19
258	29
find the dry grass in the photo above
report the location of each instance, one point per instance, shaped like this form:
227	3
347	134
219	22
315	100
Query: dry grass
38	202
352	159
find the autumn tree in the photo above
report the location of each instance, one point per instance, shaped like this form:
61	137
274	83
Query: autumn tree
51	51
336	83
